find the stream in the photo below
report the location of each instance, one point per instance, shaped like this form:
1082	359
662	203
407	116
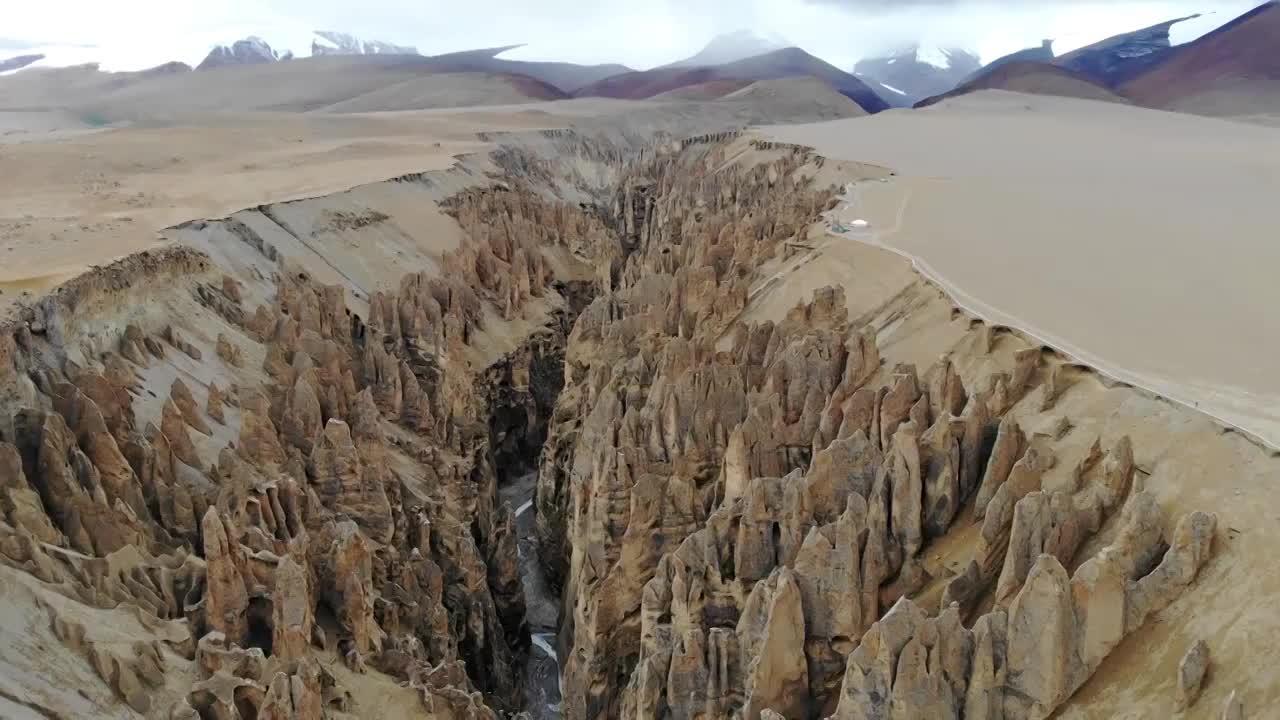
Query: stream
542	671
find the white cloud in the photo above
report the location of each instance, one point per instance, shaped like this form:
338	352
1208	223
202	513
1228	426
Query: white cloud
132	34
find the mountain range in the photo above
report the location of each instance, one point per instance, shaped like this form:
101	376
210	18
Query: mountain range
250	51
1233	70
1234	66
1121	57
786	62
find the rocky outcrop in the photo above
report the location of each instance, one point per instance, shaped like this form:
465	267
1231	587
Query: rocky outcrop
339	467
740	503
230	353
721	485
1191	672
1025	661
227	599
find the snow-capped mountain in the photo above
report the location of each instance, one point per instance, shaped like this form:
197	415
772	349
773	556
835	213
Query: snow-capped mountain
329	42
1120	58
734	46
252	50
916	72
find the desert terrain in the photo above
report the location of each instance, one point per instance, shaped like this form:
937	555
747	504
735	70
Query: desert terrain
408	387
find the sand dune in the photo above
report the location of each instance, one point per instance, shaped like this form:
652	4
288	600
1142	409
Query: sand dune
1141	242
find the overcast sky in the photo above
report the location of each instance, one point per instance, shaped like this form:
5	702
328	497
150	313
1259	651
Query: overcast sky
134	34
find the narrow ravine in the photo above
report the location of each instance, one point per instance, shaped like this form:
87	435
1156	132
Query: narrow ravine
541	669
523	391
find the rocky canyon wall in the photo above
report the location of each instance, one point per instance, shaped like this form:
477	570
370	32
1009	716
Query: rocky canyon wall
290	463
274	450
741	510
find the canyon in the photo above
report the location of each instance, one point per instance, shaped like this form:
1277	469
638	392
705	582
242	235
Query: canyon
592	416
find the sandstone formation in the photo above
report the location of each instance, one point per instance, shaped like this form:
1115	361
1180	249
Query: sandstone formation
746	508
1191	672
357	483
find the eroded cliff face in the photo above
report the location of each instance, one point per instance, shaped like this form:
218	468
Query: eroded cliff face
747	507
288	476
292	482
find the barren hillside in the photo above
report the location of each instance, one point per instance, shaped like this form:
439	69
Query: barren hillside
1232	71
785	63
1033	78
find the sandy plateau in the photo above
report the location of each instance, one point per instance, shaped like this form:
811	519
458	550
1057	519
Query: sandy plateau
603	408
90	198
1137	241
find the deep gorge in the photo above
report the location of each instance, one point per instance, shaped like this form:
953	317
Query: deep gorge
586	419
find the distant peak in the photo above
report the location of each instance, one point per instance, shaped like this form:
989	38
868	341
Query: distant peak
733	46
750	39
943	58
933	55
332	42
252	50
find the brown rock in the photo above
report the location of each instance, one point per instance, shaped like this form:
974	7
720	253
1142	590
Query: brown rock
174	427
291	618
1010	444
1043	523
984	696
1191	672
133	346
154	346
230	353
350	589
897	404
181	396
941	474
345	485
259	443
231	289
302	420
1040	636
20	503
226	600
771	628
176	339
214	407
